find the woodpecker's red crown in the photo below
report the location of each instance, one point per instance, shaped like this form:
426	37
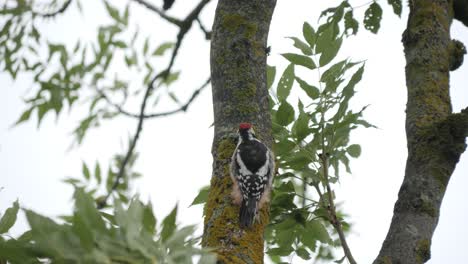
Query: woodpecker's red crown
243	126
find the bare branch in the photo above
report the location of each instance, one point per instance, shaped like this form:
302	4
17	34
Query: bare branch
133	143
182	108
184	27
161	13
207	33
58	11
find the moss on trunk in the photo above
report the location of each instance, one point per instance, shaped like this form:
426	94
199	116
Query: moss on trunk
238	73
434	145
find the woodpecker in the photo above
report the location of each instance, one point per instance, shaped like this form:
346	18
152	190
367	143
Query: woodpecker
252	170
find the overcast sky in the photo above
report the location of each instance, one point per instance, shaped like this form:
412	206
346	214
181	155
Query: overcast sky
175	156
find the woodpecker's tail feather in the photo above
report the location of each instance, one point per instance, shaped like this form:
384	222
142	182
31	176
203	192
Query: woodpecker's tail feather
247	212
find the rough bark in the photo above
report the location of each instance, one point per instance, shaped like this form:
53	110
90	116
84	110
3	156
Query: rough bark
238	72
435	135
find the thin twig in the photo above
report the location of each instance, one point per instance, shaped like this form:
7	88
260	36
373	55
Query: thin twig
161	13
182	108
184	27
205	31
58	11
132	146
332	211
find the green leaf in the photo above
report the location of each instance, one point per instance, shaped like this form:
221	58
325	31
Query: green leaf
271	73
285	83
146	46
120	44
309	240
113	12
334	72
304	47
298	160
364	123
173	76
285	114
86	208
396	4
309	34
301	127
149	221
316	230
169	224
9	218
85	171
83	232
348	90
312	91
202	196
325	37
372	17
350	23
179	236
126	15
41	226
159	51
286	187
283	147
42	109
354	150
25	116
300	60
97	173
280	251
303	253
329	53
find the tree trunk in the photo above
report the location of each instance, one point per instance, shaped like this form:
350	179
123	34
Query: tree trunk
238	74
435	135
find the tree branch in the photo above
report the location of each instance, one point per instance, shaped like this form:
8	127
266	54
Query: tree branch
161	13
182	108
102	203
435	136
58	11
205	31
331	209
184	27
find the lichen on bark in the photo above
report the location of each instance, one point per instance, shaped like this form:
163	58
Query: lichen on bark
434	140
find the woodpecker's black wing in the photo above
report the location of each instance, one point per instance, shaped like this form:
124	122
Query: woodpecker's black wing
253	154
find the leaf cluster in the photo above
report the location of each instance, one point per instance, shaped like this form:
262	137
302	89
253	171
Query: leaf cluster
84	73
320	125
128	235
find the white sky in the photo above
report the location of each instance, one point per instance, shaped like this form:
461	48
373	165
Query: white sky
175	156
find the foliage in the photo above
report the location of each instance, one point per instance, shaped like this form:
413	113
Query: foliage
88	73
97	181
128	235
320	125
